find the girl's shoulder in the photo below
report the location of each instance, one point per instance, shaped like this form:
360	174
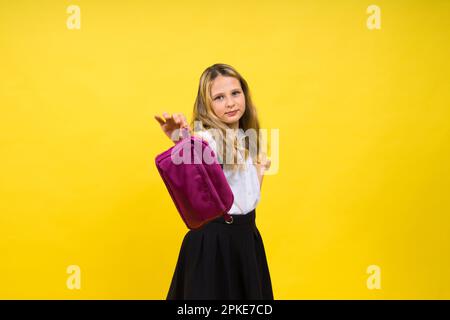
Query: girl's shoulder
202	134
207	136
212	134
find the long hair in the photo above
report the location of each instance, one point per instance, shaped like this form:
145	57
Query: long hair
204	113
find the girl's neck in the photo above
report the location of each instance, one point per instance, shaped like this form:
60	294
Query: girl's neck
234	125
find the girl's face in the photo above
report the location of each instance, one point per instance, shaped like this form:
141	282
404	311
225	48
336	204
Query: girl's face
228	100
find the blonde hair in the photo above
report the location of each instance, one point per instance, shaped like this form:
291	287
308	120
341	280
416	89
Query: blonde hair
204	114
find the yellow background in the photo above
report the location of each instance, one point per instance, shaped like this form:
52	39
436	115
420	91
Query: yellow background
364	142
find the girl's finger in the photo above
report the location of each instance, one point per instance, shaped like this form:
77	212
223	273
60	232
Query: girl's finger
166	116
171	120
184	121
159	119
176	118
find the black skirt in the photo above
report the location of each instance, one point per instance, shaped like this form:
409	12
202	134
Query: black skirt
222	261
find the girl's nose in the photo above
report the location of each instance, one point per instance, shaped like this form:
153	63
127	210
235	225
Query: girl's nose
230	102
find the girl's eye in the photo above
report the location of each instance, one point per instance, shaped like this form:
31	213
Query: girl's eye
235	93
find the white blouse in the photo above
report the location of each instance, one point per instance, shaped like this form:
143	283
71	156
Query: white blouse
244	183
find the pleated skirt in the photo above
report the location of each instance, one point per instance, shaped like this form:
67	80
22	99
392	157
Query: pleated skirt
222	261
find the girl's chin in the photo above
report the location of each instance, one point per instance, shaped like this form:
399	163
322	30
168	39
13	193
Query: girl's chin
231	120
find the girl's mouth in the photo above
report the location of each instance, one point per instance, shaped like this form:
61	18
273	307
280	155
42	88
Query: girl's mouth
230	114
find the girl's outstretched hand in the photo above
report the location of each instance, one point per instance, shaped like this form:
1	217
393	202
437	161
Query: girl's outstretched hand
170	123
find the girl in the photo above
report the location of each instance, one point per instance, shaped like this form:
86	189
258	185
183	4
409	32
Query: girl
222	259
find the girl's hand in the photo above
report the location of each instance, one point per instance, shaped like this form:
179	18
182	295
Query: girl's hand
262	165
170	123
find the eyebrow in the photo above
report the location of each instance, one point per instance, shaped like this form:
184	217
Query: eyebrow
218	94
